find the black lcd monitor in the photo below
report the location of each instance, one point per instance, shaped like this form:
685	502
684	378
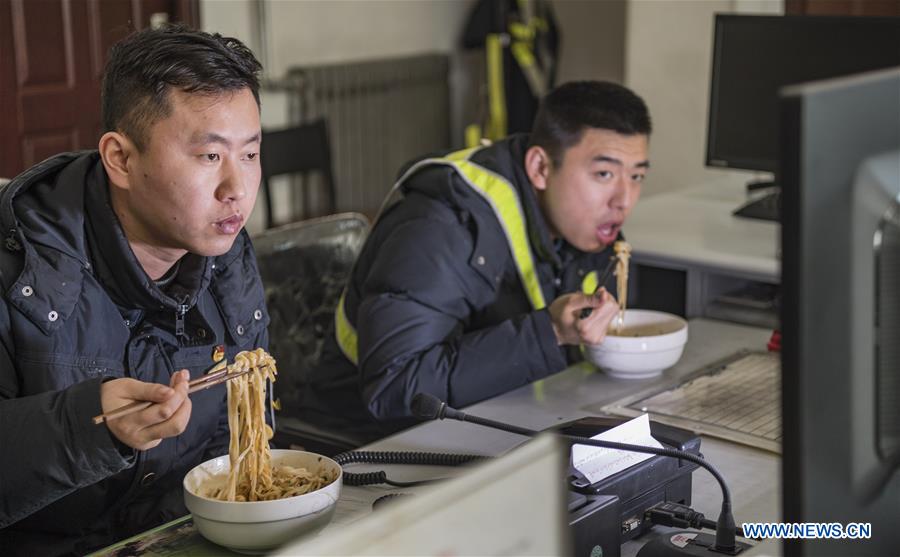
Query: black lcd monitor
839	166
754	56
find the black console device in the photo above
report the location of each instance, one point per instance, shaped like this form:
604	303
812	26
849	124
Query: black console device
647	492
656	480
594	524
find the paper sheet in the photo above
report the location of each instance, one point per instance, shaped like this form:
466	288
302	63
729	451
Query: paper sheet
597	463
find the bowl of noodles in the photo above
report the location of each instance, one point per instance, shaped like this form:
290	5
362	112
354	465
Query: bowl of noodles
255	499
640	344
306	487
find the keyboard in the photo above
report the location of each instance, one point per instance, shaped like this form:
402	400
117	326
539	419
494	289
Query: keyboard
767	207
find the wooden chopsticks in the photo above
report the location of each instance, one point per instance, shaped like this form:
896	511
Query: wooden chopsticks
217	374
601	280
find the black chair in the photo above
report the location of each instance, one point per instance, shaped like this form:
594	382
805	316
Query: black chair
299	151
304	267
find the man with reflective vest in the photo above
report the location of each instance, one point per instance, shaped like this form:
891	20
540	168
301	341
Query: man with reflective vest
474	282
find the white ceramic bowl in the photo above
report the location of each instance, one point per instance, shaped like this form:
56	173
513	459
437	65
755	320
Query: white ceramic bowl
648	343
259	526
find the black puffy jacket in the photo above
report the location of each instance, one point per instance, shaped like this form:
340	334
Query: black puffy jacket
77	308
437	301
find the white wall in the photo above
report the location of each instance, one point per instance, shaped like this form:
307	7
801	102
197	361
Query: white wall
306	32
668	55
326	31
232	18
592	44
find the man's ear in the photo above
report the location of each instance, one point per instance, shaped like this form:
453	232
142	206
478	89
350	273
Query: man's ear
116	151
538	166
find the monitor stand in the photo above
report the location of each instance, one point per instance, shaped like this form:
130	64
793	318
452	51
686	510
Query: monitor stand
766	206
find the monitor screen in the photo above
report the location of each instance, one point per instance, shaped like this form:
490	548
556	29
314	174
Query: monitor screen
840	169
754	56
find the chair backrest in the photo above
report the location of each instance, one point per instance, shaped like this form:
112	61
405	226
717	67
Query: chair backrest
298	150
304	267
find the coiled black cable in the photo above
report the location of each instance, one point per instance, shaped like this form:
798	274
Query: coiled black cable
397	457
386	499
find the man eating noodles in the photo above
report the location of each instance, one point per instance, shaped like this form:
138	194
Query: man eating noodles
125	272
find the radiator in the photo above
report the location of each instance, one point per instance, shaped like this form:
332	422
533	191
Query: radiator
380	114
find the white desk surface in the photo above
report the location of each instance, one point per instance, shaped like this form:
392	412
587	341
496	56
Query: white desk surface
695	226
752	474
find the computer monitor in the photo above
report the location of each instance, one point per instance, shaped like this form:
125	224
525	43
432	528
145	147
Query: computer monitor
512	505
754	56
839	164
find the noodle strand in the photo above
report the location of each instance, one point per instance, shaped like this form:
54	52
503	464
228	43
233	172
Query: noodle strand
623	254
251	476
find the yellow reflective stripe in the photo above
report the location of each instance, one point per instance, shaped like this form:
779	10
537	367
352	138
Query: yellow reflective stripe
457	156
345	333
496	128
520	31
589	284
473	135
503	199
522	48
523	54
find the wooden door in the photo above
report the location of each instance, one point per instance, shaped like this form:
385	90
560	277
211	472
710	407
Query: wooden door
52	54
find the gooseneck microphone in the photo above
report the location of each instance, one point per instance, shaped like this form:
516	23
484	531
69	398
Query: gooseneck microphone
430	407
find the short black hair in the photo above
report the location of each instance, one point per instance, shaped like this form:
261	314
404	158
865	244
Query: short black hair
571	108
145	65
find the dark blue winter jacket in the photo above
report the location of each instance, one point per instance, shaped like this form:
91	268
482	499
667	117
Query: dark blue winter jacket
77	308
449	295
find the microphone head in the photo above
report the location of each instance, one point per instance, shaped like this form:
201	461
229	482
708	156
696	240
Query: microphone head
426	406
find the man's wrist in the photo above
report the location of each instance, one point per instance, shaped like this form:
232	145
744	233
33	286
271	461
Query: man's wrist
122	448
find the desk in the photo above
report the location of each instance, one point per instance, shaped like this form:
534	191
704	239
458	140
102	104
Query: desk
753	475
693	232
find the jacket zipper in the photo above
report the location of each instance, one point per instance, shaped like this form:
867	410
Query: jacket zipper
180	311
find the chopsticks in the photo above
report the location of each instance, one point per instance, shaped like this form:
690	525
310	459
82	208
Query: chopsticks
601	280
215	375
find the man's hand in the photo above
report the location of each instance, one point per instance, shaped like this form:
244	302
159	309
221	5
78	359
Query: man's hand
565	312
167	417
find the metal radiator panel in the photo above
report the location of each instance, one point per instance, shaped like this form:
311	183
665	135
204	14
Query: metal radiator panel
380	114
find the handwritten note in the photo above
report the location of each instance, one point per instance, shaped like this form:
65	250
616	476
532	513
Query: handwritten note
597	463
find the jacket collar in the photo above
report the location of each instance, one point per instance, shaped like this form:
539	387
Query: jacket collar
116	265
